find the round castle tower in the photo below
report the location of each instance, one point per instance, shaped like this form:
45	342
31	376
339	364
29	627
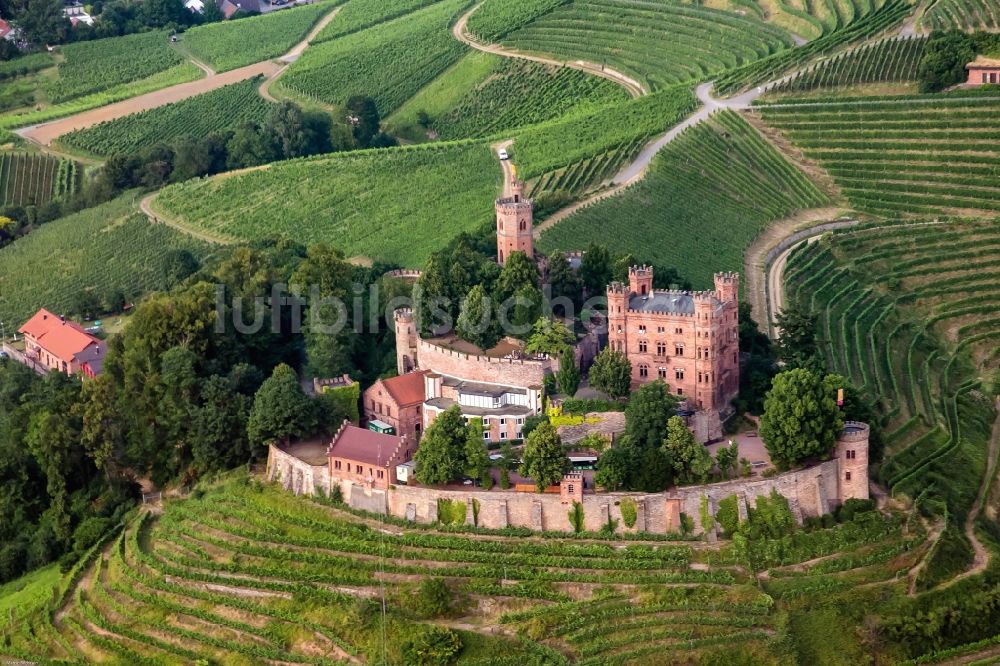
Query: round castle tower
852	456
515	215
406	341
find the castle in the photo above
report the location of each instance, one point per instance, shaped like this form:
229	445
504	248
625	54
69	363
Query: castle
515	216
690	340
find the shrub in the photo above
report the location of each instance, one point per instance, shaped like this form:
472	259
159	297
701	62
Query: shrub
853	507
431	646
707	520
728	515
433	598
451	512
630	512
576	517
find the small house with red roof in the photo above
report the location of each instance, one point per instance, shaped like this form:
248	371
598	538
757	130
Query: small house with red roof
983	71
367	458
5	30
63	346
396	402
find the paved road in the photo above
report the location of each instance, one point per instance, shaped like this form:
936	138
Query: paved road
460	33
45	133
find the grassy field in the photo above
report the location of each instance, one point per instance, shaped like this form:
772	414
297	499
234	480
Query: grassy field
397	204
231	44
224	108
707	195
888	60
35	179
96	66
360	14
907	314
389	62
660	44
917	155
110	247
214	577
485	95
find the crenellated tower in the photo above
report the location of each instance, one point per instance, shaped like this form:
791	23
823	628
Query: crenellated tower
406	341
640	280
618	303
515	216
852	454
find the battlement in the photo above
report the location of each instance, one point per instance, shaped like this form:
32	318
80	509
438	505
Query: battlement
854	431
641	271
403	315
617	287
727	277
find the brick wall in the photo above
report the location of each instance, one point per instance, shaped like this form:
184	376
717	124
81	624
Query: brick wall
509	372
295	475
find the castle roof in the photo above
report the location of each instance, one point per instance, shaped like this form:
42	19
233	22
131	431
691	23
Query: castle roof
363	446
675	302
406	389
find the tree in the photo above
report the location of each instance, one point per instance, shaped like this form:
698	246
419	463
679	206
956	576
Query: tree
298	134
363	117
614	467
178	264
527	308
647	414
440	457
507	460
477	461
797	346
801	419
564	282
944	59
476	323
690	459
596	270
218	425
568	375
280	409
519	271
42	22
611	373
549	336
544	459
726	458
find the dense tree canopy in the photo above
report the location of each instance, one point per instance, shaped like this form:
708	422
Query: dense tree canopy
801	419
544	459
441	457
611	373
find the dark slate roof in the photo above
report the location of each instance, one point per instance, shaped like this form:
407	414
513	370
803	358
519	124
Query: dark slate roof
663	301
479	388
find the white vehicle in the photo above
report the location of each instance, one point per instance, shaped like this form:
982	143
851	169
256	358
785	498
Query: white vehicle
502	154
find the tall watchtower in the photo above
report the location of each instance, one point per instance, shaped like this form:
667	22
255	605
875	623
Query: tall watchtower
852	454
406	341
515	215
640	280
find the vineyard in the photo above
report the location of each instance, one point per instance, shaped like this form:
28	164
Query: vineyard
907	313
707	195
660	45
518	93
25	65
496	19
586	174
34	179
920	154
199	116
889	60
91	67
578	136
109	247
357	15
214	577
389	62
962	15
877	21
396	204
231	44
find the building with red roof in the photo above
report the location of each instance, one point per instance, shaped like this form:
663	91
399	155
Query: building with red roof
60	345
983	71
396	403
367	458
4	29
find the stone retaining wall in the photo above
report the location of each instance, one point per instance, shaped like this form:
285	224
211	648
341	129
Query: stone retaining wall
297	476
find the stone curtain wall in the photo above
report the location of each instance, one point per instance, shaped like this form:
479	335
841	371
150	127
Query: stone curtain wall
509	372
295	475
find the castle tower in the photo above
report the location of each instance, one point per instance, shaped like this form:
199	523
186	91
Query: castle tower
727	289
406	341
640	280
514	224
852	454
704	351
727	286
618	296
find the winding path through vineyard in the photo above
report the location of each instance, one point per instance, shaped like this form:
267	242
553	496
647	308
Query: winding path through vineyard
45	133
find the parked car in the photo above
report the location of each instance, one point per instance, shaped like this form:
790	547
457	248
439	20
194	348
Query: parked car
502	154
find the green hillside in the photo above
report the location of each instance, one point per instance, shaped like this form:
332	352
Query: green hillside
34	179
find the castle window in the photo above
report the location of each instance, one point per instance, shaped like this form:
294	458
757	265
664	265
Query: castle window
642	346
678	350
678	373
847	476
661	348
522	225
642	329
659	329
381	474
569	488
680	391
661	373
359	469
503	435
679	331
643	370
850	455
336	464
503	421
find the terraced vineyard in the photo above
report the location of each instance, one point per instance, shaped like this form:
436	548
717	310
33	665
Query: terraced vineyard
889	60
962	15
224	108
90	67
35	179
585	174
518	93
880	19
907	311
920	154
231	44
707	195
399	204
107	248
360	14
389	62
246	572
659	45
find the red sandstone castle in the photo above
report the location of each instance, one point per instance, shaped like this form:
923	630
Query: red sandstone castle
690	340
515	216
